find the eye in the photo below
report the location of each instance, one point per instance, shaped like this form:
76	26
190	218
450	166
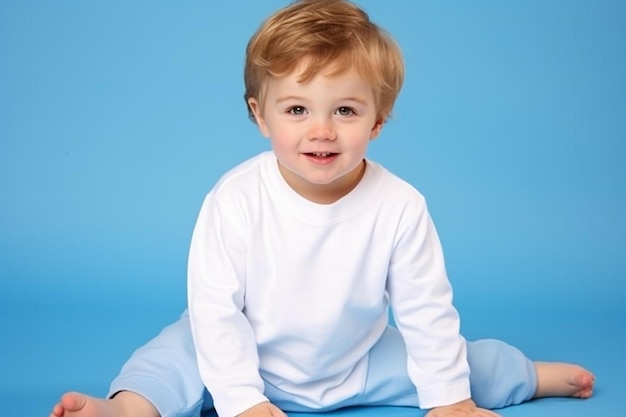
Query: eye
296	110
345	111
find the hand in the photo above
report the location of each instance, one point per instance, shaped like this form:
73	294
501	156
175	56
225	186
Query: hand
263	410
465	408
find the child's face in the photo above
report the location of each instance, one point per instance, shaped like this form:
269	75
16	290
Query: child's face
319	130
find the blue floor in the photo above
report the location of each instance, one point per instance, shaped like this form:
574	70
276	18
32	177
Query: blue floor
52	346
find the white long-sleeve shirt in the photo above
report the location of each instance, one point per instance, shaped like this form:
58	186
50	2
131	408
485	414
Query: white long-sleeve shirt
295	293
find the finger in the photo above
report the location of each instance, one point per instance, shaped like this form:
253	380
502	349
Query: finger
481	412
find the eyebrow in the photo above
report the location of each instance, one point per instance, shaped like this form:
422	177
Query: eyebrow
298	98
286	98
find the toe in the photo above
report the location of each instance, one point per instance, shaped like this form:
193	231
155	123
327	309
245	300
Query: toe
73	401
57	411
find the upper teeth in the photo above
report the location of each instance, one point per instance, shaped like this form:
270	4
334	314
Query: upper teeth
322	154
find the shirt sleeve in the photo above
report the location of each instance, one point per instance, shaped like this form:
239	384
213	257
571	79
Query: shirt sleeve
225	343
421	300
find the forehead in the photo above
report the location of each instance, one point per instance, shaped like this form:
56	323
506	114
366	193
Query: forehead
327	81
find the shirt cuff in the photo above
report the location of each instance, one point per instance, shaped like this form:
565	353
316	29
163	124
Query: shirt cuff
442	395
235	401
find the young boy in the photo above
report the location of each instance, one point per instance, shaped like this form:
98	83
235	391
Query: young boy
298	253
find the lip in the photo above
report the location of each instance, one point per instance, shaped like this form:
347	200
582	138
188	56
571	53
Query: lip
321	158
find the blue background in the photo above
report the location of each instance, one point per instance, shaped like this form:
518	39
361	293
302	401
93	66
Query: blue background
117	117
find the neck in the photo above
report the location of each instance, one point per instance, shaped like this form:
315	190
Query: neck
325	193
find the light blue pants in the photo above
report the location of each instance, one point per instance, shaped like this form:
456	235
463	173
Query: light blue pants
165	372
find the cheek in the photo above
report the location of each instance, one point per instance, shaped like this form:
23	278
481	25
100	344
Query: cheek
362	137
280	141
282	133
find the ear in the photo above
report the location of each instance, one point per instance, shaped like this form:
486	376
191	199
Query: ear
260	121
378	126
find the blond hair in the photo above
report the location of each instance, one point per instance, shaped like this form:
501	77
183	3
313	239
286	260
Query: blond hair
333	35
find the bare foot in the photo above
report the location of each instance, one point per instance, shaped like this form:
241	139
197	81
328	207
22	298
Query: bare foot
124	404
74	404
556	379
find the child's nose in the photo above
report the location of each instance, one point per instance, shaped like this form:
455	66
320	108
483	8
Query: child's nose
322	129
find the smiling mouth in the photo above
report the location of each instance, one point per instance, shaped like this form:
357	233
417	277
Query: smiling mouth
320	154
